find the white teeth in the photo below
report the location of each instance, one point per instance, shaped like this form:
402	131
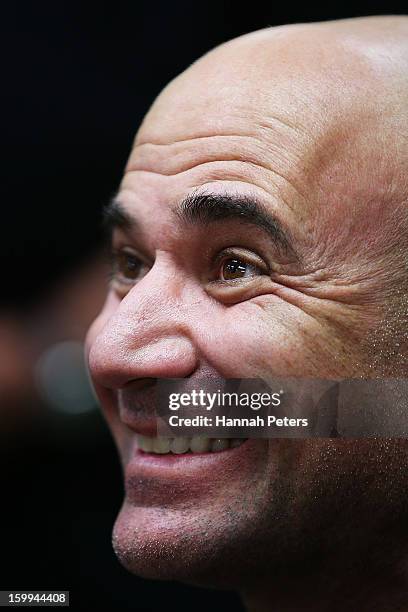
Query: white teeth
161	445
145	443
199	445
179	446
219	445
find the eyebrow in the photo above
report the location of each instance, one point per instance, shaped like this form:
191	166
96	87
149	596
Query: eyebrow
204	209
114	215
209	208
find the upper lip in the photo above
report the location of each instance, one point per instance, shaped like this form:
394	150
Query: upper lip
137	402
137	409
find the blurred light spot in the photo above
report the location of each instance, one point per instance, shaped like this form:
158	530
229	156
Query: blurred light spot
62	379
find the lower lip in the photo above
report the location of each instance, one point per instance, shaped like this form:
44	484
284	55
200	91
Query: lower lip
173	467
169	480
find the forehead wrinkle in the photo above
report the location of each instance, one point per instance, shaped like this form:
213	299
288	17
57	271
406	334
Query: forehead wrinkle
177	156
267	119
261	151
253	164
186	139
258	122
253	130
275	186
255	145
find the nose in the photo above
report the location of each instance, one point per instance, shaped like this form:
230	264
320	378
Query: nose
147	334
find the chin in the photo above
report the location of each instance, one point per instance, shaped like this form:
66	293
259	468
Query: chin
167	544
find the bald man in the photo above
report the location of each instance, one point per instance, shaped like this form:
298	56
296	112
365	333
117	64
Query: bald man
261	229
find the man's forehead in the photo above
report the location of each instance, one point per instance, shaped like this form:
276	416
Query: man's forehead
287	118
281	145
314	76
288	112
295	72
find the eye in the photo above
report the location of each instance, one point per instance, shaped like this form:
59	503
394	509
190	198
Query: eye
237	274
127	268
236	263
234	268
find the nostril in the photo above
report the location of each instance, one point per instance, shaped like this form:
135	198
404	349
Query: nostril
141	383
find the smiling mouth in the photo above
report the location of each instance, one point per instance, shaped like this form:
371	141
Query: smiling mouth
181	446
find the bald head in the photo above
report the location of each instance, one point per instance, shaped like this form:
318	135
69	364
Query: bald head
312	75
322	104
316	115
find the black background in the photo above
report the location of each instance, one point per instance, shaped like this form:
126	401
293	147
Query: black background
77	79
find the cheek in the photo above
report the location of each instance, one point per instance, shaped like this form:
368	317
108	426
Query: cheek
262	339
